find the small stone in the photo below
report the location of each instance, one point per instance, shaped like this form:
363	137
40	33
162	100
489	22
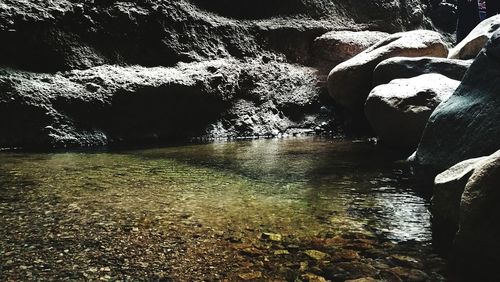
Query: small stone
344	255
105	269
252	252
281	252
271	237
250	275
406	261
309	277
364	279
407	274
316	255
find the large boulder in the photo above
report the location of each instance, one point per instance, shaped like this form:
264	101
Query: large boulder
466	125
471	45
335	47
399	110
447	193
476	243
350	82
406	67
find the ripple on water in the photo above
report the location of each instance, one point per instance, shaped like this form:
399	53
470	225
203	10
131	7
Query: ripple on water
294	186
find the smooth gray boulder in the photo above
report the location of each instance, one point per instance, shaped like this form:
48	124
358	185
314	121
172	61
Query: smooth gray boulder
471	45
466	125
406	67
350	82
399	110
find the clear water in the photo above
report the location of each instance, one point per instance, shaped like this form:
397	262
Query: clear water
198	212
298	187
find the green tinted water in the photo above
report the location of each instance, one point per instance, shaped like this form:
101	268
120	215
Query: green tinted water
70	207
294	186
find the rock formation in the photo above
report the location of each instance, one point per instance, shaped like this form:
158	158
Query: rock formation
399	110
350	82
156	70
466	125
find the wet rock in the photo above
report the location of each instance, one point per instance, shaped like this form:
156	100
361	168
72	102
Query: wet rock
335	47
281	252
316	255
250	275
349	270
398	111
271	237
476	244
447	193
406	261
309	277
407	274
344	255
364	279
471	45
464	126
350	82
407	67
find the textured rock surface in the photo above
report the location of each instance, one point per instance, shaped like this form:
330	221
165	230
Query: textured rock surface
109	104
350	82
398	111
63	35
466	125
476	242
475	41
406	67
335	47
254	91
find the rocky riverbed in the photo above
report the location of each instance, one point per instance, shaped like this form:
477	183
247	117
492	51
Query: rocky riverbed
247	210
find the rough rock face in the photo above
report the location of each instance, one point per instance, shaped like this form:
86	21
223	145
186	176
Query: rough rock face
476	242
335	47
109	104
399	110
405	67
350	82
63	35
475	41
466	125
255	91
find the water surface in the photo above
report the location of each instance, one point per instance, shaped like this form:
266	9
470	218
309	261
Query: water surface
295	187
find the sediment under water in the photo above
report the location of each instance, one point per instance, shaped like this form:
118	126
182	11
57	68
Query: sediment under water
203	212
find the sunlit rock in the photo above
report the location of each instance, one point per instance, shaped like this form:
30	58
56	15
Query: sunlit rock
471	45
118	104
407	67
476	242
335	47
398	111
447	193
350	82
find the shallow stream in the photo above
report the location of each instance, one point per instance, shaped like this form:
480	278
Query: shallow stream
206	211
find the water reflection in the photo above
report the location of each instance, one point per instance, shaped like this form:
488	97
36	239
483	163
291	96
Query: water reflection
292	186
